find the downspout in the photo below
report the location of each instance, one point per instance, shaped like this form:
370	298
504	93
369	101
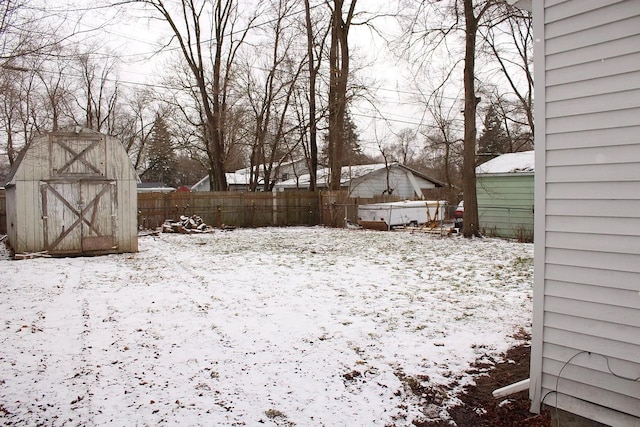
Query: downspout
511	389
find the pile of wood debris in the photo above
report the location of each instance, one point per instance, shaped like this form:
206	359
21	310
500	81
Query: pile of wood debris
186	225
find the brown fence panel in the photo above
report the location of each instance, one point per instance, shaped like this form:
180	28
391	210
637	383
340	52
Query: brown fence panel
3	212
296	208
259	209
237	209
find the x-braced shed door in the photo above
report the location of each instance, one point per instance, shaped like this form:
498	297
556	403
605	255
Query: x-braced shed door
79	216
78	155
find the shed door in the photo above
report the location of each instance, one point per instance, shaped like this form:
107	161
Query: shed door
79	216
78	155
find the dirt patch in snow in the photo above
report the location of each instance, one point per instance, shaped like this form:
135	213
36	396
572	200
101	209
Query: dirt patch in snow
480	409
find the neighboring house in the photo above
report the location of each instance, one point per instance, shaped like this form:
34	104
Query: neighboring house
154	187
240	180
70	193
367	181
504	187
585	355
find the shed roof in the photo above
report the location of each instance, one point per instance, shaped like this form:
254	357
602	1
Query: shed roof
522	162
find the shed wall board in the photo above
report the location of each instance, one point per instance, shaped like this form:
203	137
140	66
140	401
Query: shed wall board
12	214
587	250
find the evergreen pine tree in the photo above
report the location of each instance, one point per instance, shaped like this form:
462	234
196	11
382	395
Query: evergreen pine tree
493	141
162	161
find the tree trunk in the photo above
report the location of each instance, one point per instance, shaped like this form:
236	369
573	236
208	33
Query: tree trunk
339	75
470	217
216	117
313	133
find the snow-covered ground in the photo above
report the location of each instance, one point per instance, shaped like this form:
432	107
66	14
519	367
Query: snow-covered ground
278	326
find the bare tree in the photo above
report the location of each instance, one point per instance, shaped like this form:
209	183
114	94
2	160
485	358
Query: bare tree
270	93
135	125
9	112
23	112
98	93
469	17
443	140
209	56
57	92
23	32
510	44
315	45
338	79
405	147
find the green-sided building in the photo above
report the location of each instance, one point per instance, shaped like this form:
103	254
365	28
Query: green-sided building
504	188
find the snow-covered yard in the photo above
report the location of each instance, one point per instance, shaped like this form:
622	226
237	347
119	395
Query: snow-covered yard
280	326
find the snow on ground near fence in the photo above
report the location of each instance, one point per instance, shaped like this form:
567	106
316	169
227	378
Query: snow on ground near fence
278	326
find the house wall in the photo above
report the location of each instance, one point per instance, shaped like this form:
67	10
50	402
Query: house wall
505	205
202	185
400	180
586	325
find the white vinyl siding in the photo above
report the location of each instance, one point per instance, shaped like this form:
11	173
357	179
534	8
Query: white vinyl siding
587	292
375	184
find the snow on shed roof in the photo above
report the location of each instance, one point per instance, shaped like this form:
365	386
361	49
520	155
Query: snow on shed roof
523	162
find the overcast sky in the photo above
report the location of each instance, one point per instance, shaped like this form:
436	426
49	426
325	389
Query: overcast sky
394	86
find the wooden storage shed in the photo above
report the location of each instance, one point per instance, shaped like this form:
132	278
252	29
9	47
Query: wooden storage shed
72	192
505	191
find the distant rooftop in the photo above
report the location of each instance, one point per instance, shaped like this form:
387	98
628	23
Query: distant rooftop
522	162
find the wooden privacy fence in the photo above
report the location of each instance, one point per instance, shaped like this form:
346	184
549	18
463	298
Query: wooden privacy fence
248	209
328	208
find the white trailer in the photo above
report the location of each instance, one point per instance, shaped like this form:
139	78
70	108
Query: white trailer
383	216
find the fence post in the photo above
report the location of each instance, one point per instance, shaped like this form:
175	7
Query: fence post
274	205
